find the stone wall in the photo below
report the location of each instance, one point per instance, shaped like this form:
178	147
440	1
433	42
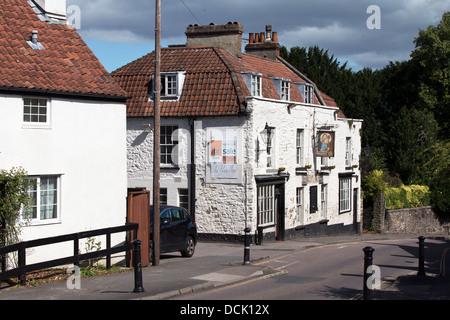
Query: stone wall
423	220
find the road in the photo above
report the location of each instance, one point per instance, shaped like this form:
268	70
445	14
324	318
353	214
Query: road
327	272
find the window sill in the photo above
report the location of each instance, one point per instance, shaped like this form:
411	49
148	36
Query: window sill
45	126
43	223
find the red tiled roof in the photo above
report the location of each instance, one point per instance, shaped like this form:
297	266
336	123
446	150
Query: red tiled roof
213	85
66	66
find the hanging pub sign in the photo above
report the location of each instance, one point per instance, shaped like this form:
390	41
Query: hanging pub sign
325	144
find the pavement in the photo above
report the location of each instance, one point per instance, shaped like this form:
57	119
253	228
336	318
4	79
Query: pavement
215	264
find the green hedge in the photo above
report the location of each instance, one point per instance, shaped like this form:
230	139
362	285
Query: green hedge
407	197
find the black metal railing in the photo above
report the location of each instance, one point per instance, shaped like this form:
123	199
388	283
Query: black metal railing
22	268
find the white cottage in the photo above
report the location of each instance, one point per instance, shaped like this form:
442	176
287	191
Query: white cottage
246	139
63	119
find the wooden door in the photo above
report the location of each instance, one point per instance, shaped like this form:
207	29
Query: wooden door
138	211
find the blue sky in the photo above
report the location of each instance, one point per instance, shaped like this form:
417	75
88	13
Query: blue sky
119	32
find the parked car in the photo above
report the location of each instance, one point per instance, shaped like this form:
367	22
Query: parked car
178	231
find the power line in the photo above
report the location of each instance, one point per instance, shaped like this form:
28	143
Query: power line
192	13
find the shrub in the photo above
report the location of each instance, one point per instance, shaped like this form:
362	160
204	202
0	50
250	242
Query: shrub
407	197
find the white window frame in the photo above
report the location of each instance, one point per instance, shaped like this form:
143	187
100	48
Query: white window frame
171	85
299	203
266	205
256	85
163	196
38	205
348	151
299	146
308	93
285	90
323	200
33	107
345	194
183	198
168	143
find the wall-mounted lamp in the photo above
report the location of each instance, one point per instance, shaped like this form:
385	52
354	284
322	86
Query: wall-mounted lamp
267	136
147	128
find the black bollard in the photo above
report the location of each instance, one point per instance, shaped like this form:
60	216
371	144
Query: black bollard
368	258
247	242
421	271
137	266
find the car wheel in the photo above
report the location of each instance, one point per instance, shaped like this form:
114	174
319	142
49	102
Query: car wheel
189	247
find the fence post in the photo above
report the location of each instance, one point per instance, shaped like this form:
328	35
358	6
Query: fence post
137	266
368	258
247	242
108	246
21	261
421	271
76	249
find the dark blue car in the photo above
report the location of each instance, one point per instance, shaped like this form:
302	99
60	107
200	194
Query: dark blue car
178	231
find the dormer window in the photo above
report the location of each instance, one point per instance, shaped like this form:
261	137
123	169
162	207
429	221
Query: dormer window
307	91
283	88
171	85
253	82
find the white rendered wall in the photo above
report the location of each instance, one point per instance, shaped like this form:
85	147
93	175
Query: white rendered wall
85	145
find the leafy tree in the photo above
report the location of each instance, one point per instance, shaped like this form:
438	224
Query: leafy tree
436	173
432	56
14	186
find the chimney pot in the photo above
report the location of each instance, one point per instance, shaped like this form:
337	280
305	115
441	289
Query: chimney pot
262	37
250	37
274	36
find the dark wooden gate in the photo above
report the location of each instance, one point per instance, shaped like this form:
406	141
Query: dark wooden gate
138	211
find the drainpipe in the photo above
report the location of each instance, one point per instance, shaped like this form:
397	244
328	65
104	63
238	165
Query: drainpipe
193	169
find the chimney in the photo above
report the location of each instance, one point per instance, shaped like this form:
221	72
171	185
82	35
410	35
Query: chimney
227	36
53	9
264	45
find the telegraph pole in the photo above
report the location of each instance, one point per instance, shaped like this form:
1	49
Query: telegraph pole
157	135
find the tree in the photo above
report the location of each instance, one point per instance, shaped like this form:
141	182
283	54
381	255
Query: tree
432	56
14	186
436	173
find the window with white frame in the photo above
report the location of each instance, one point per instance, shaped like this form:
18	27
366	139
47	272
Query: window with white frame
348	152
323	200
299	204
308	93
167	144
299	147
256	85
266	205
35	110
345	185
163	196
169	85
285	90
44	193
183	198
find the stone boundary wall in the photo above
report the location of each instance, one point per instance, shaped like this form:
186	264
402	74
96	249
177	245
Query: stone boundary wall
423	220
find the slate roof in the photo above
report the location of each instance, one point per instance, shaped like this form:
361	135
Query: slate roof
213	86
66	65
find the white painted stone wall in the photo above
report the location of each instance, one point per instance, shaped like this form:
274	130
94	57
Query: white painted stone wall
226	207
85	145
